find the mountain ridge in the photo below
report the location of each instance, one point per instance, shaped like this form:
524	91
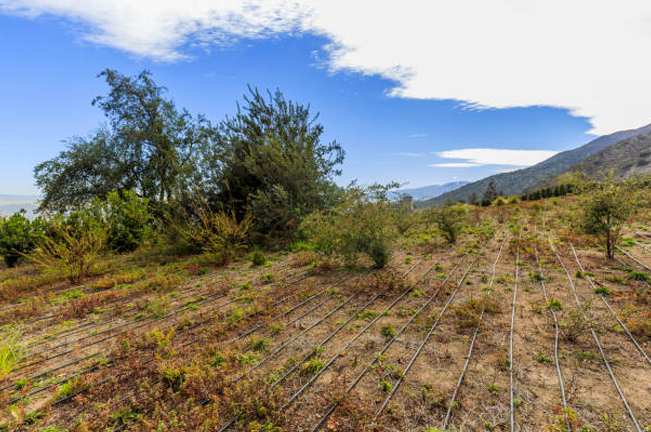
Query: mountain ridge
514	182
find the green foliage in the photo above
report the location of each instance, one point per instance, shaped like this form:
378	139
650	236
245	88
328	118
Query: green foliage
605	209
638	276
257	258
360	224
73	245
12	352
19	236
128	218
146	146
448	220
388	332
218	233
271	157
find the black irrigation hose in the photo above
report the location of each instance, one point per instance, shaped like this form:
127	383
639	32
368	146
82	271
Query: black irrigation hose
515	298
448	414
334	406
197	339
596	339
353	384
556	334
320	345
90	369
610	309
414	357
284	345
141	325
633	258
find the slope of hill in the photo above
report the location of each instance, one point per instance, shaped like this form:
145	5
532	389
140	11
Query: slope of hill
427	192
626	158
514	182
10	204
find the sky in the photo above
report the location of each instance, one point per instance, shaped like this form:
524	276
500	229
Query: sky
419	92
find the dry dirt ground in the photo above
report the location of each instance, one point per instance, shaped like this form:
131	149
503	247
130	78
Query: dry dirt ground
498	332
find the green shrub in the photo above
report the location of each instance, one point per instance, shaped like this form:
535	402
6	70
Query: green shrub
19	236
128	218
73	245
362	223
448	221
257	258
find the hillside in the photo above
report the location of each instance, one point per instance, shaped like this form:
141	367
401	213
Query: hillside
514	182
427	192
626	158
10	204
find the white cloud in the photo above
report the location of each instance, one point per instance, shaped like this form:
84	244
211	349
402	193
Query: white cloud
493	156
419	135
588	56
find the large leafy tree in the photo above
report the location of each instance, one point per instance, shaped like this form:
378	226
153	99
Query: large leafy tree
271	161
148	146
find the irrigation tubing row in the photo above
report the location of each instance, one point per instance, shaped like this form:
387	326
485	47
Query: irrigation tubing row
353	384
596	339
633	258
557	361
513	307
126	331
610	309
320	345
451	404
294	338
188	292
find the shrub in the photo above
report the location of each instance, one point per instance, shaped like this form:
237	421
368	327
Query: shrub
605	209
448	221
73	245
638	276
19	236
360	224
218	233
257	258
128	218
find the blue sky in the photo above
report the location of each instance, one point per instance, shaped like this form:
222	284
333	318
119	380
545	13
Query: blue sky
48	78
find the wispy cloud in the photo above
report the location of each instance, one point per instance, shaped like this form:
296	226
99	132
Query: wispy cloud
510	58
473	157
419	135
409	154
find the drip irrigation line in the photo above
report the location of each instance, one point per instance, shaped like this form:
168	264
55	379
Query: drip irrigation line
513	307
633	258
334	406
610	309
451	404
556	336
638	428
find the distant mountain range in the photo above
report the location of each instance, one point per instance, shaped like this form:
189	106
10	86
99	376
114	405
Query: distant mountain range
515	182
10	204
427	192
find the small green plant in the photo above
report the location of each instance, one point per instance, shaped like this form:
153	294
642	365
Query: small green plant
494	389
260	344
71	387
257	258
313	366
12	351
554	304
386	386
218	360
602	290
388	332
416	293
638	276
542	358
